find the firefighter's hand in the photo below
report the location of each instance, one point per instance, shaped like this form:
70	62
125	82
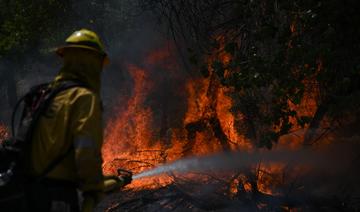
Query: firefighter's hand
114	183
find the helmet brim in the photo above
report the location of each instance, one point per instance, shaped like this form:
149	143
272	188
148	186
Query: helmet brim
60	51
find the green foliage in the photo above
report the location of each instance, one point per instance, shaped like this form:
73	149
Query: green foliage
277	49
26	24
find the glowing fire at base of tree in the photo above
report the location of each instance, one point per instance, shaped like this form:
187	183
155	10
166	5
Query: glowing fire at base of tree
134	141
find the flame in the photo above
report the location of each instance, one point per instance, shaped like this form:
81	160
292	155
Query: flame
293	26
208	102
132	122
270	177
130	141
4	132
208	125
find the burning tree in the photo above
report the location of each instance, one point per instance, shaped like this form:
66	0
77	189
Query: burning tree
272	74
280	55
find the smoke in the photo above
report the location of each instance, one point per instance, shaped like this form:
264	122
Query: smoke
128	34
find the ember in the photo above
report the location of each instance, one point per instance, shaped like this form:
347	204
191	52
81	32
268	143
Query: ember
4	132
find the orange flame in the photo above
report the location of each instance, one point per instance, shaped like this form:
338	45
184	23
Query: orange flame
4	132
132	122
131	141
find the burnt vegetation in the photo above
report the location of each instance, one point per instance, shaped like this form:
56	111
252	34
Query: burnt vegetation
279	51
288	67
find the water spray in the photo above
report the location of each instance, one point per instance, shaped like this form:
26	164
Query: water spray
233	161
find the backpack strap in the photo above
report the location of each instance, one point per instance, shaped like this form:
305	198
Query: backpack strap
65	85
38	100
27	134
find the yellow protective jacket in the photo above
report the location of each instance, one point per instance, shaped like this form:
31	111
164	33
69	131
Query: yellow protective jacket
73	120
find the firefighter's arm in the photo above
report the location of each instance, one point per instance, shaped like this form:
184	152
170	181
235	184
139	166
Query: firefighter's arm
86	124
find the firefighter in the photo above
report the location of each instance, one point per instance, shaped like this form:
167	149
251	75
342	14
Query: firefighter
73	121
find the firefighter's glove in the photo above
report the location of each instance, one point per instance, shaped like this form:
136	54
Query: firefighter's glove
114	183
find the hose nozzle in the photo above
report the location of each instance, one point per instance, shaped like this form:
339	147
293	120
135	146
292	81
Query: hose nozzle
125	176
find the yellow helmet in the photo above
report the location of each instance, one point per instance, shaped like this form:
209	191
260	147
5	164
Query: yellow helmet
85	39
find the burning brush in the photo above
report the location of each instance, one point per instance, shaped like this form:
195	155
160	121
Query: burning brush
189	128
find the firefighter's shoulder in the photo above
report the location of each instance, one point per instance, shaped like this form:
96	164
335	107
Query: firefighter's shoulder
77	94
